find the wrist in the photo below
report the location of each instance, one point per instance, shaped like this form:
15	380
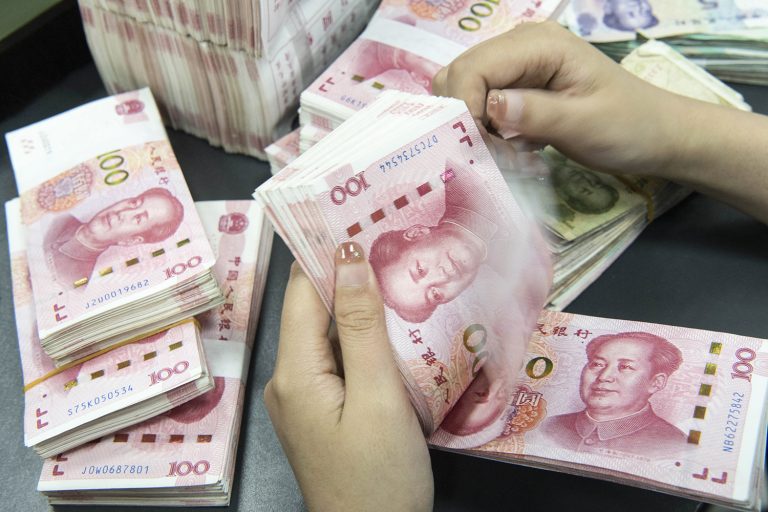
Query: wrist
686	128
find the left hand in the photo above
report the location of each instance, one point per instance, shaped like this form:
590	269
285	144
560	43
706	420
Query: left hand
348	428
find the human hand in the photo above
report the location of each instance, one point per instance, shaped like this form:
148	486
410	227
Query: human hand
559	90
344	419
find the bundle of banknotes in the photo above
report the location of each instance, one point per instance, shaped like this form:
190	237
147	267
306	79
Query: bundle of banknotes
116	247
113	248
464	274
229	71
185	457
728	38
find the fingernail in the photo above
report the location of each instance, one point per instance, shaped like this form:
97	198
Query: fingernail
351	268
505	110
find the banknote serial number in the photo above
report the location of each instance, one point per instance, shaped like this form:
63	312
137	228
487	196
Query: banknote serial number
732	421
97	400
415	150
117	292
353	102
115	469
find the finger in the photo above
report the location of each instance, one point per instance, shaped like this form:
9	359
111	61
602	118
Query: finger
536	115
369	364
304	348
528	56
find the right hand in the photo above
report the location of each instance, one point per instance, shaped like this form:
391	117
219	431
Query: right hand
559	90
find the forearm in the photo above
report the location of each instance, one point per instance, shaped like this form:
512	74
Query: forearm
721	152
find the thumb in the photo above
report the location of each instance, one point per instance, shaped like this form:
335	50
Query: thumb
534	114
369	364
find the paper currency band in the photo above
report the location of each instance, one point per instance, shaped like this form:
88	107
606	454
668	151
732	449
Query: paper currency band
67	366
128	263
649	206
400	202
152	437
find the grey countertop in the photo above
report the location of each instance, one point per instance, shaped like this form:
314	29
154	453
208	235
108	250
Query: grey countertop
701	265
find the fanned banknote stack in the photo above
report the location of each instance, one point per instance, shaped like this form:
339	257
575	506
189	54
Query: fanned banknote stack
229	71
462	273
403	47
728	38
410	180
116	248
185	457
593	217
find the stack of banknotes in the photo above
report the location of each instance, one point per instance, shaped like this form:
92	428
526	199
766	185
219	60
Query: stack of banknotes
728	38
430	208
229	71
185	457
245	25
150	259
116	248
464	274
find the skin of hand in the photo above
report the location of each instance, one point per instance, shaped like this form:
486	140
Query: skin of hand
341	411
540	83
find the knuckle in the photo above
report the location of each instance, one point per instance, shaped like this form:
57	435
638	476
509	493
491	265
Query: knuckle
452	74
359	317
458	66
